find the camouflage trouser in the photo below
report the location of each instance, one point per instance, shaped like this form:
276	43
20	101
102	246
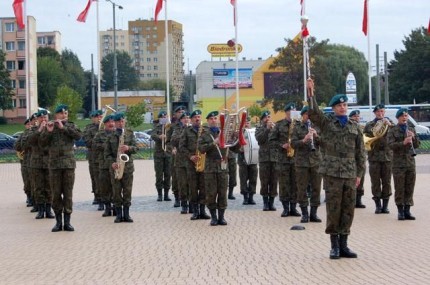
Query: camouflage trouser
162	166
175	182
94	174
304	177
122	189
404	184
268	179
216	190
26	178
232	172
105	186
360	188
42	190
183	190
62	181
196	182
340	204
248	178
380	173
287	182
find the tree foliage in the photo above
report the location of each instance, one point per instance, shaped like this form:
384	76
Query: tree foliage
5	85
73	71
135	114
254	111
50	77
409	78
127	76
68	96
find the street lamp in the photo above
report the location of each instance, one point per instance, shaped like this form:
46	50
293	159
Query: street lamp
115	64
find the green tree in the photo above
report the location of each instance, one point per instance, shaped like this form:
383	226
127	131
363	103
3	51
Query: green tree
410	70
50	77
135	114
68	96
5	85
73	71
254	111
48	52
127	76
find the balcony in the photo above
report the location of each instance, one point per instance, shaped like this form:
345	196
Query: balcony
20	72
20	34
20	53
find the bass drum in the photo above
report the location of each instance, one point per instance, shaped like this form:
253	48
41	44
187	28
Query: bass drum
250	150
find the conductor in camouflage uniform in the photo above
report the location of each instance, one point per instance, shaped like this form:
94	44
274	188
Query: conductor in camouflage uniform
162	158
122	186
280	139
60	136
403	140
306	144
267	159
355	116
380	159
342	168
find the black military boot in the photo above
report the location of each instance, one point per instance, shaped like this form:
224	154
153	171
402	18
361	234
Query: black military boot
177	202
245	199
67	226
335	250
271	201
29	201
305	215
41	213
384	209
265	203
203	214
408	215
190	208
378	208
160	195
221	220
313	217
118	218
95	201
166	195
184	205
401	212
286	211
126	218
230	194
344	250
195	215
251	199
59	224
48	212
34	209
358	203
214	219
113	210
293	210
101	206
108	210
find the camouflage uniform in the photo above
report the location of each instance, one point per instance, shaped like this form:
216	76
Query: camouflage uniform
88	134
175	183
248	174
404	172
380	163
162	164
180	165
21	145
232	173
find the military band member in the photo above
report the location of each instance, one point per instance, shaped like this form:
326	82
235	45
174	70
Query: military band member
162	158
306	144
232	174
342	168
248	174
267	159
60	136
403	140
355	115
380	159
88	136
122	187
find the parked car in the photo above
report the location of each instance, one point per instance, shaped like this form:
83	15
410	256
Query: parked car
17	134
80	142
143	139
6	142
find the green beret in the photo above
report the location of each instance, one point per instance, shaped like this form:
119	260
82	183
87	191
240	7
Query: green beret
179	108
378	107
108	118
212	114
34	116
290	106
96	113
41	113
195	113
264	114
337	99
27	121
184	114
304	110
401	112
61	108
118	116
354	112
161	114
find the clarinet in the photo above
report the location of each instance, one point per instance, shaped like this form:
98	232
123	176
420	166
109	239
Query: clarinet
312	145
412	151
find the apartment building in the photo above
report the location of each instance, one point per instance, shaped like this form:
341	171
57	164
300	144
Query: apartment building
49	39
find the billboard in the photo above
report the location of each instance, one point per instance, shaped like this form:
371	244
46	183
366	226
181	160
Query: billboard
351	88
223	50
226	78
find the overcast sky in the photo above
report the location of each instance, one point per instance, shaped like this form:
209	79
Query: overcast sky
262	24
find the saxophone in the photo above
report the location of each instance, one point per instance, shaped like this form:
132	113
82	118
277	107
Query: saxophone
290	150
201	157
121	158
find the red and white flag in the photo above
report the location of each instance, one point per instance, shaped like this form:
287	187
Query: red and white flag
428	28
83	15
365	20
233	2
158	8
305	31
19	14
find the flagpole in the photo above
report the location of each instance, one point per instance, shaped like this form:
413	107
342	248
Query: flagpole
368	57
166	34
27	63
236	50
303	13
99	97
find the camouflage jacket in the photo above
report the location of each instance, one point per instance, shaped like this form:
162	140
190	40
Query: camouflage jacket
98	147
380	149
60	144
402	157
343	147
181	156
89	133
188	144
171	128
281	135
22	145
158	145
111	148
39	151
266	153
303	154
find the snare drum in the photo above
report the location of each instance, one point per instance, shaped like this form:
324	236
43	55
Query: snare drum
250	150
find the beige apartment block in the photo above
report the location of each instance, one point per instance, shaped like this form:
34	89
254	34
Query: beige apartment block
49	39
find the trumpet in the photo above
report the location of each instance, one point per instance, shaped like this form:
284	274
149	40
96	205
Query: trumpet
312	145
165	125
412	151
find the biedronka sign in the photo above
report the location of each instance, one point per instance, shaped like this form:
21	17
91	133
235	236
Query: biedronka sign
223	50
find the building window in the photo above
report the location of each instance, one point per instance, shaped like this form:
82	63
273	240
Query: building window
22	103
155	67
51	40
14	103
21	45
10	27
148	59
10	65
154	36
142	75
142	67
10	46
41	40
156	75
21	64
155	59
13	84
21	83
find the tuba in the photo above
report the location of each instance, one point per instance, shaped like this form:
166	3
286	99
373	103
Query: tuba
121	158
232	125
201	157
378	131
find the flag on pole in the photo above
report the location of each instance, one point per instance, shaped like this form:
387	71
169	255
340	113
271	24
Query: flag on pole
365	18
83	15
305	32
233	2
158	8
19	15
428	28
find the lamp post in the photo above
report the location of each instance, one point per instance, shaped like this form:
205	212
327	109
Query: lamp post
115	64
